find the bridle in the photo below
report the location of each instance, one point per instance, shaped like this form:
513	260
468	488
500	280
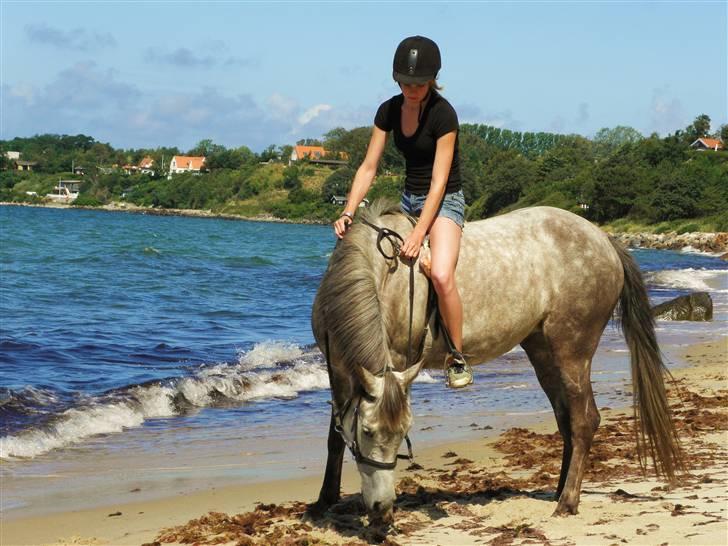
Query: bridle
354	443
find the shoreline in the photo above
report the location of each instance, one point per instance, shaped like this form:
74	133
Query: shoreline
714	243
702	370
152	211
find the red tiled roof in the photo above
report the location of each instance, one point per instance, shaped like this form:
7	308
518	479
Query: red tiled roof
146	163
193	163
712	143
314	152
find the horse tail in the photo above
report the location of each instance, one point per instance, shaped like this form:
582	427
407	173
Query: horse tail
654	427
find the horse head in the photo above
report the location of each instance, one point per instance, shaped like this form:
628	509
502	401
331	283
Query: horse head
373	425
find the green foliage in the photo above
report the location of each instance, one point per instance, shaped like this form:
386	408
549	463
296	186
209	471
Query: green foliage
291	180
688	228
338	183
86	200
699	128
723	133
609	140
386	187
529	144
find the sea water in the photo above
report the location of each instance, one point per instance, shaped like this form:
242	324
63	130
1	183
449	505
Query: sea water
173	349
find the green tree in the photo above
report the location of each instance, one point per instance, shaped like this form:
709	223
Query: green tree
699	128
608	140
269	154
723	134
291	178
337	183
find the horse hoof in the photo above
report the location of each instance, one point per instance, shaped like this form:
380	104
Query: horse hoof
377	532
315	511
563	511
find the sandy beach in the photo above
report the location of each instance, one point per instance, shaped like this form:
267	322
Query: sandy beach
495	490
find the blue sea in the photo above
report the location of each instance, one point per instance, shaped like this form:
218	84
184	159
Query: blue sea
140	341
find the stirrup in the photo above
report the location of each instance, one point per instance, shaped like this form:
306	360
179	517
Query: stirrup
458	372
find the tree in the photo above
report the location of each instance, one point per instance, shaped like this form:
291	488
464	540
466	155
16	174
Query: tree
291	181
699	128
338	182
269	154
608	140
207	148
724	134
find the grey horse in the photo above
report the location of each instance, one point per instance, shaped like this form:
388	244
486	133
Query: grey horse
540	277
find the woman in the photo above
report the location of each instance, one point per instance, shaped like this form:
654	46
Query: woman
425	128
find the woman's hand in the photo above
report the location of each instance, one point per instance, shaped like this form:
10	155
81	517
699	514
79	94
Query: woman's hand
410	249
342	225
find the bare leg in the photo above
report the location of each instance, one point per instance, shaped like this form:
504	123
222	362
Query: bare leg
445	248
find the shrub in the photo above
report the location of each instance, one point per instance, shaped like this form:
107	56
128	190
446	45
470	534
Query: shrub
688	228
86	200
338	182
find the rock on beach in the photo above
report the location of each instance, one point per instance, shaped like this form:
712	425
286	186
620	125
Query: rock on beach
703	242
697	306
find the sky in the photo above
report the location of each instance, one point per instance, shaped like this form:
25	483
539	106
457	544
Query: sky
146	74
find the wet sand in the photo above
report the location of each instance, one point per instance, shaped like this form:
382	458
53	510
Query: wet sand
495	490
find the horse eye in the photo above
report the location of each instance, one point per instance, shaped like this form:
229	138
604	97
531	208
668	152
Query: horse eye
368	432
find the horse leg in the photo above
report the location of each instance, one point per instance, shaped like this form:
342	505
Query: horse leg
331	488
539	353
583	422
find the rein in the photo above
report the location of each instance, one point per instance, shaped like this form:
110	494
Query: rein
396	240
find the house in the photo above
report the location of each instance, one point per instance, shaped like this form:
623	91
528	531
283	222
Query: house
25	165
12	156
311	152
186	164
707	144
79	170
317	155
146	166
66	191
341	200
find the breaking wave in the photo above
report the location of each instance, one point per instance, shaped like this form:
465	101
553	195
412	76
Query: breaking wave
706	280
270	370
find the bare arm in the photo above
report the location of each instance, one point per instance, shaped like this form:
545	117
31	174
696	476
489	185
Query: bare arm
362	180
444	152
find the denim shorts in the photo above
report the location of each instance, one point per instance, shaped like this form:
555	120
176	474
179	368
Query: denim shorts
452	206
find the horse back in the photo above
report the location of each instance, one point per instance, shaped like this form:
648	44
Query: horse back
517	269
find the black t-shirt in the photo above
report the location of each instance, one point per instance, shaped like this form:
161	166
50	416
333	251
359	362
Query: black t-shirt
438	118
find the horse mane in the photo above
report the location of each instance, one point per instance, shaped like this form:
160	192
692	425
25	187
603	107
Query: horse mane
353	314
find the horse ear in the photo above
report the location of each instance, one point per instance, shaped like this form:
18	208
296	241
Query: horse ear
371	384
406	377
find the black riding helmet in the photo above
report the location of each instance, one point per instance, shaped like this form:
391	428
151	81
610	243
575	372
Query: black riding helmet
416	61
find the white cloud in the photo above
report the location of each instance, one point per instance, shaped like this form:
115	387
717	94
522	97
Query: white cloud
90	99
666	113
312	113
281	107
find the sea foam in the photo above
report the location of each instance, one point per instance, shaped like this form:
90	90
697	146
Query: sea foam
269	370
705	280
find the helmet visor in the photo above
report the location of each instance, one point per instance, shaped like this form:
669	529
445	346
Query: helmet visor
408	79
